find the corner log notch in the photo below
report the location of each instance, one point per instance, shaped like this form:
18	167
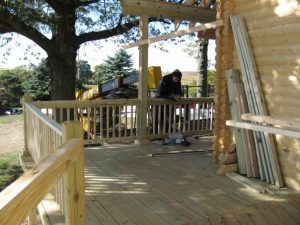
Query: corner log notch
161	9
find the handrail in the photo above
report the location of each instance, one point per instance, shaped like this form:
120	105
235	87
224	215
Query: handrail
83	103
23	195
49	122
182	100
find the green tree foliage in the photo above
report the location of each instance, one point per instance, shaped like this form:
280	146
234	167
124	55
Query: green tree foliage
11	90
60	27
38	83
211	77
120	64
84	71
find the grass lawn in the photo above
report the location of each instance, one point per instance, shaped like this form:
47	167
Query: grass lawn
10	169
12	118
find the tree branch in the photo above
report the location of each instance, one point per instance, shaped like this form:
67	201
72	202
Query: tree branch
11	23
55	4
85	3
119	29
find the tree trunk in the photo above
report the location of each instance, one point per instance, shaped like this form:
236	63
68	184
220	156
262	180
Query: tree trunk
63	70
202	66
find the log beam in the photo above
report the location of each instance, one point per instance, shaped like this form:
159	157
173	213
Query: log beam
202	27
161	9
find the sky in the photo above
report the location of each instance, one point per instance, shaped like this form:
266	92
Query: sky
175	58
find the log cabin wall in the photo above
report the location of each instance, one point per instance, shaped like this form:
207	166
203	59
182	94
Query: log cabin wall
274	30
224	60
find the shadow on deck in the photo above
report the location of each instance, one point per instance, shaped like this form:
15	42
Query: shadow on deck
126	185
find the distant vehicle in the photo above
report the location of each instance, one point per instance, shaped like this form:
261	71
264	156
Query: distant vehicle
13	111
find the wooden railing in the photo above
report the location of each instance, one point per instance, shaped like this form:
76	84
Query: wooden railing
59	171
42	135
19	199
115	120
193	116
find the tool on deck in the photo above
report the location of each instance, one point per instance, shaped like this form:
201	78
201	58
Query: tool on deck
158	154
175	139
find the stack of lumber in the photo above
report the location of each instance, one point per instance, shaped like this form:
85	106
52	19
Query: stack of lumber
267	160
228	161
247	160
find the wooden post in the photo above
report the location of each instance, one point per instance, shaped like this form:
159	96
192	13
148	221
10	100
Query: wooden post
74	186
26	98
143	84
230	74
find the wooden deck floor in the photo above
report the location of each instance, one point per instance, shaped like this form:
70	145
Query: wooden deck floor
126	185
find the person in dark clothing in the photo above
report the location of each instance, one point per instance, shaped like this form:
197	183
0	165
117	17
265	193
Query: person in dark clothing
169	87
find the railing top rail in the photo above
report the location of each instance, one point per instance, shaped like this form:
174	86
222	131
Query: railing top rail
48	121
182	100
112	102
84	103
35	183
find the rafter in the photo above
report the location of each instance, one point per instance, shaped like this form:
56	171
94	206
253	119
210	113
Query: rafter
202	27
161	9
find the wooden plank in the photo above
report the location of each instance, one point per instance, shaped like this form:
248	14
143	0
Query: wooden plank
50	212
256	99
230	219
235	114
229	168
174	34
248	139
246	183
161	9
256	216
284	122
264	128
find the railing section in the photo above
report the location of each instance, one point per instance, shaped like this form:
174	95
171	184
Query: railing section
20	198
102	120
185	116
115	120
43	137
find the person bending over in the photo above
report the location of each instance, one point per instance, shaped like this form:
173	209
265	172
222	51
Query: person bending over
169	87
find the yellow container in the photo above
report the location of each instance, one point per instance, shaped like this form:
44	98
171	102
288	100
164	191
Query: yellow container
154	76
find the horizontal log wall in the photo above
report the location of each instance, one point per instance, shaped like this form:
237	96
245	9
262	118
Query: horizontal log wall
222	139
274	30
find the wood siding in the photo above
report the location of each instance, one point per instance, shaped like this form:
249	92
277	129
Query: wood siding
273	27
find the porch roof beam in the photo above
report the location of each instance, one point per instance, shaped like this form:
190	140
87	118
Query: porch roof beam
174	34
161	9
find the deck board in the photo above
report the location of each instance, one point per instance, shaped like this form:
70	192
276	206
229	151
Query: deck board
126	185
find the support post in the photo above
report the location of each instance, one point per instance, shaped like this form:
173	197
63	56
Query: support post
143	84
25	99
74	185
